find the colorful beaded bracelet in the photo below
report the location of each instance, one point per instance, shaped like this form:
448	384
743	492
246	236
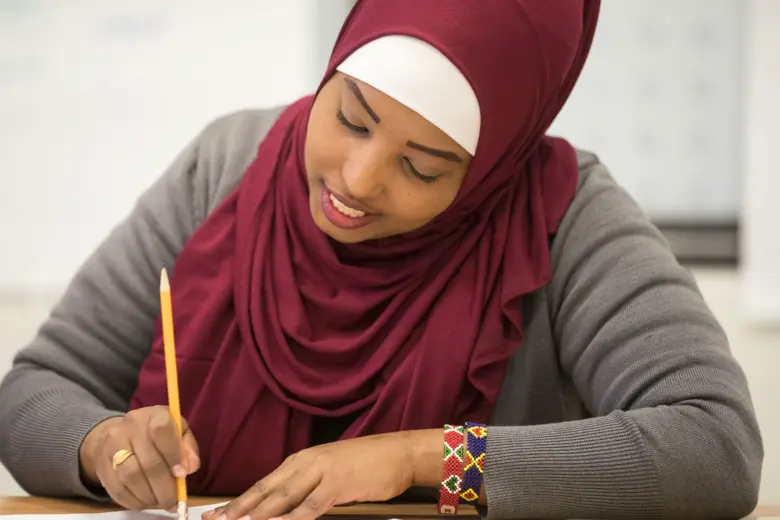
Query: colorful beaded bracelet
449	495
475	445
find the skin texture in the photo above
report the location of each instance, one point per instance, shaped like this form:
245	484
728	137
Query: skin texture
358	145
366	469
147	479
306	485
371	163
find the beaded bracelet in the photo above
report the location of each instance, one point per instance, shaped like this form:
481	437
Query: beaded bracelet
449	494
475	445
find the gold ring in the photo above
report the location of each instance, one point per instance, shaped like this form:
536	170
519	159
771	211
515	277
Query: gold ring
119	457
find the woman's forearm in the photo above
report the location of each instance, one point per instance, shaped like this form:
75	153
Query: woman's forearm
427	456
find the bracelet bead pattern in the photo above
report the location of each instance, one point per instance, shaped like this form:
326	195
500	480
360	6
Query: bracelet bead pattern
475	445
452	478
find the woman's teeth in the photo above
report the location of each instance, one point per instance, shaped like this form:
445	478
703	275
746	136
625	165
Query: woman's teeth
346	210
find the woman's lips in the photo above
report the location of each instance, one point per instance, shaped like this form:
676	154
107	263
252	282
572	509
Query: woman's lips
341	214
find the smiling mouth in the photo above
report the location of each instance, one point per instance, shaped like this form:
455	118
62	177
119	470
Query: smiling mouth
343	215
344	209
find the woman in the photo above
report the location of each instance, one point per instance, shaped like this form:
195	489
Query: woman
403	251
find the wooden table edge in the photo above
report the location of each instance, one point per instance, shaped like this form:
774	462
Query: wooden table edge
26	505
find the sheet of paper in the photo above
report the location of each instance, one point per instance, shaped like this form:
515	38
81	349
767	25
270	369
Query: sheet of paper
154	514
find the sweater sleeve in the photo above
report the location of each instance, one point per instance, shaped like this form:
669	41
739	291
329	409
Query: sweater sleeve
82	366
673	432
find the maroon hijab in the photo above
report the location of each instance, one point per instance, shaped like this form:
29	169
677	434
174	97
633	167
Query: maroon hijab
277	325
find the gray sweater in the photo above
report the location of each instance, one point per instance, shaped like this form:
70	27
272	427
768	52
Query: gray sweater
624	400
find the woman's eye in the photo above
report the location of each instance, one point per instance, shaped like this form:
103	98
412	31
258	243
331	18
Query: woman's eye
352	127
361	130
425	178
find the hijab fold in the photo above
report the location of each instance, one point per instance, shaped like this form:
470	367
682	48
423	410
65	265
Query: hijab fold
278	326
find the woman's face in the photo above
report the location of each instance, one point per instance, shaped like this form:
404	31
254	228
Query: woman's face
375	167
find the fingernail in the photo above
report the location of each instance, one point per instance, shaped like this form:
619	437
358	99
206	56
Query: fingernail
179	471
245	517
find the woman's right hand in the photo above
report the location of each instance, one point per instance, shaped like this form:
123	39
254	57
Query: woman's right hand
145	480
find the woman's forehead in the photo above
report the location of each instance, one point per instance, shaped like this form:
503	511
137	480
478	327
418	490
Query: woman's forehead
395	117
422	78
518	61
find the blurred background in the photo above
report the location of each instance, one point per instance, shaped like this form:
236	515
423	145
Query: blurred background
679	99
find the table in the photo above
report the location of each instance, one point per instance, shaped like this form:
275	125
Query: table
34	505
43	506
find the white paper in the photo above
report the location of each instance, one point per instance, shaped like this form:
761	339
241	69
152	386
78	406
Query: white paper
152	514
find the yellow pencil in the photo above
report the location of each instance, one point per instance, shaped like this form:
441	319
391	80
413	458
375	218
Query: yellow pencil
172	378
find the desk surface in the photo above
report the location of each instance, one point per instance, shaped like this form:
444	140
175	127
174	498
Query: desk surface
48	506
31	505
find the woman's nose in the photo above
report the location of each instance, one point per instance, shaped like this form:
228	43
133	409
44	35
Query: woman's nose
364	177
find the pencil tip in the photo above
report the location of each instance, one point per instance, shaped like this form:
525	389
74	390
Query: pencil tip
164	283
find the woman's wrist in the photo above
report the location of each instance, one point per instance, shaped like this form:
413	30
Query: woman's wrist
426	450
427	455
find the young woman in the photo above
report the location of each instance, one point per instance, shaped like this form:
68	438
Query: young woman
404	250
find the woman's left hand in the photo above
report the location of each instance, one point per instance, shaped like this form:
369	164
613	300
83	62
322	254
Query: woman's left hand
366	469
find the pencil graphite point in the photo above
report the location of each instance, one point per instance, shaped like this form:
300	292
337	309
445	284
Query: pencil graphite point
164	283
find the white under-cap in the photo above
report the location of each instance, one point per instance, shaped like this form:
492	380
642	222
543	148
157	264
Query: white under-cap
418	75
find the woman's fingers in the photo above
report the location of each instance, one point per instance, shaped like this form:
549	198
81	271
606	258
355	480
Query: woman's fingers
146	479
316	504
250	499
123	497
280	482
115	480
163	435
131	476
191	450
286	497
155	472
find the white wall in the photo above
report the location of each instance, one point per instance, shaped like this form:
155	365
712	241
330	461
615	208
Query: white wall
760	205
97	96
101	94
660	101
